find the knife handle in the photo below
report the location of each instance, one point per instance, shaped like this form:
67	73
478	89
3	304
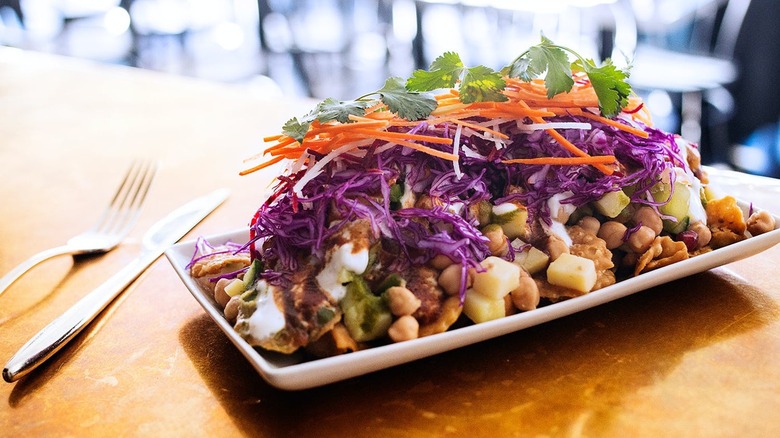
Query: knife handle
60	331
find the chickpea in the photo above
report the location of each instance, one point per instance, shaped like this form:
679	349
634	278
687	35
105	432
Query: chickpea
231	309
648	217
630	259
509	308
497	244
404	328
449	279
427	202
440	261
219	291
526	296
760	222
641	239
703	234
590	224
556	246
402	301
612	233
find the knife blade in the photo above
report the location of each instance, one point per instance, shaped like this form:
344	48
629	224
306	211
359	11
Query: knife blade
59	332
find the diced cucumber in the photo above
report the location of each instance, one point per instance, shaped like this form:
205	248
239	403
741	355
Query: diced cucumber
390	281
678	205
512	218
612	203
366	316
238	287
251	274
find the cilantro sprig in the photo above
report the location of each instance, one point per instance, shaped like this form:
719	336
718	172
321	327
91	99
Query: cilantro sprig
608	81
411	99
407	104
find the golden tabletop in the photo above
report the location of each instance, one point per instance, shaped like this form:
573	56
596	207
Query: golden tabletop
696	357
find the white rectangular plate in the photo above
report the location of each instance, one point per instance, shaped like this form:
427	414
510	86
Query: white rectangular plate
293	373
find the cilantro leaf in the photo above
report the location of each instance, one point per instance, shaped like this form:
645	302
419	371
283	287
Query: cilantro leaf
558	78
408	105
297	128
444	72
331	109
520	69
609	83
482	84
541	58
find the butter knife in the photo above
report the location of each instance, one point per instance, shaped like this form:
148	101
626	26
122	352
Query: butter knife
59	332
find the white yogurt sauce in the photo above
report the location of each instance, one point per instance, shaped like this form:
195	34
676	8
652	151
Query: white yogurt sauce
558	211
336	271
268	319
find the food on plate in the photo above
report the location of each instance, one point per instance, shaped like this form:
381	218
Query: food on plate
463	195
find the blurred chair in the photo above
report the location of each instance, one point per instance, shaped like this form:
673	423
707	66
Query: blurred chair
698	73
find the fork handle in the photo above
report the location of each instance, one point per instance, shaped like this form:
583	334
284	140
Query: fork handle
9	278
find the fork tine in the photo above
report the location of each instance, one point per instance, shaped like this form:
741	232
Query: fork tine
106	217
119	214
133	210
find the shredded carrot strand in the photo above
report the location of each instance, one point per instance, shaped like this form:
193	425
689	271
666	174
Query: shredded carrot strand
273	138
262	165
427	150
476	127
569	146
601	159
403	136
615	124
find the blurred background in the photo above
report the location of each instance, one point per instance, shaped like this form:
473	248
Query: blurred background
706	68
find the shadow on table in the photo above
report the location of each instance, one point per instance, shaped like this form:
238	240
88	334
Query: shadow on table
549	375
39	285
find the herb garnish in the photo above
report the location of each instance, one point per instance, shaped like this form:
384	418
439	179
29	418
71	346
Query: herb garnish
412	100
608	82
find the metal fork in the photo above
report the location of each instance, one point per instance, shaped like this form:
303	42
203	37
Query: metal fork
112	226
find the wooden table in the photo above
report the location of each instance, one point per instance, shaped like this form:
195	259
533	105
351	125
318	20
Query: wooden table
697	357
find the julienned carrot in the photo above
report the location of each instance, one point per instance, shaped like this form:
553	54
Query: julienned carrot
615	124
273	138
474	126
402	136
601	159
332	128
526	100
282	142
263	165
430	151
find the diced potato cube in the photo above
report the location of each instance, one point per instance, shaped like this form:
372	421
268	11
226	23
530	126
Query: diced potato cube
532	260
480	308
498	278
572	272
235	287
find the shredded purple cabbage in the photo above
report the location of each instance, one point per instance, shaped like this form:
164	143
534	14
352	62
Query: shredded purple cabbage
288	229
